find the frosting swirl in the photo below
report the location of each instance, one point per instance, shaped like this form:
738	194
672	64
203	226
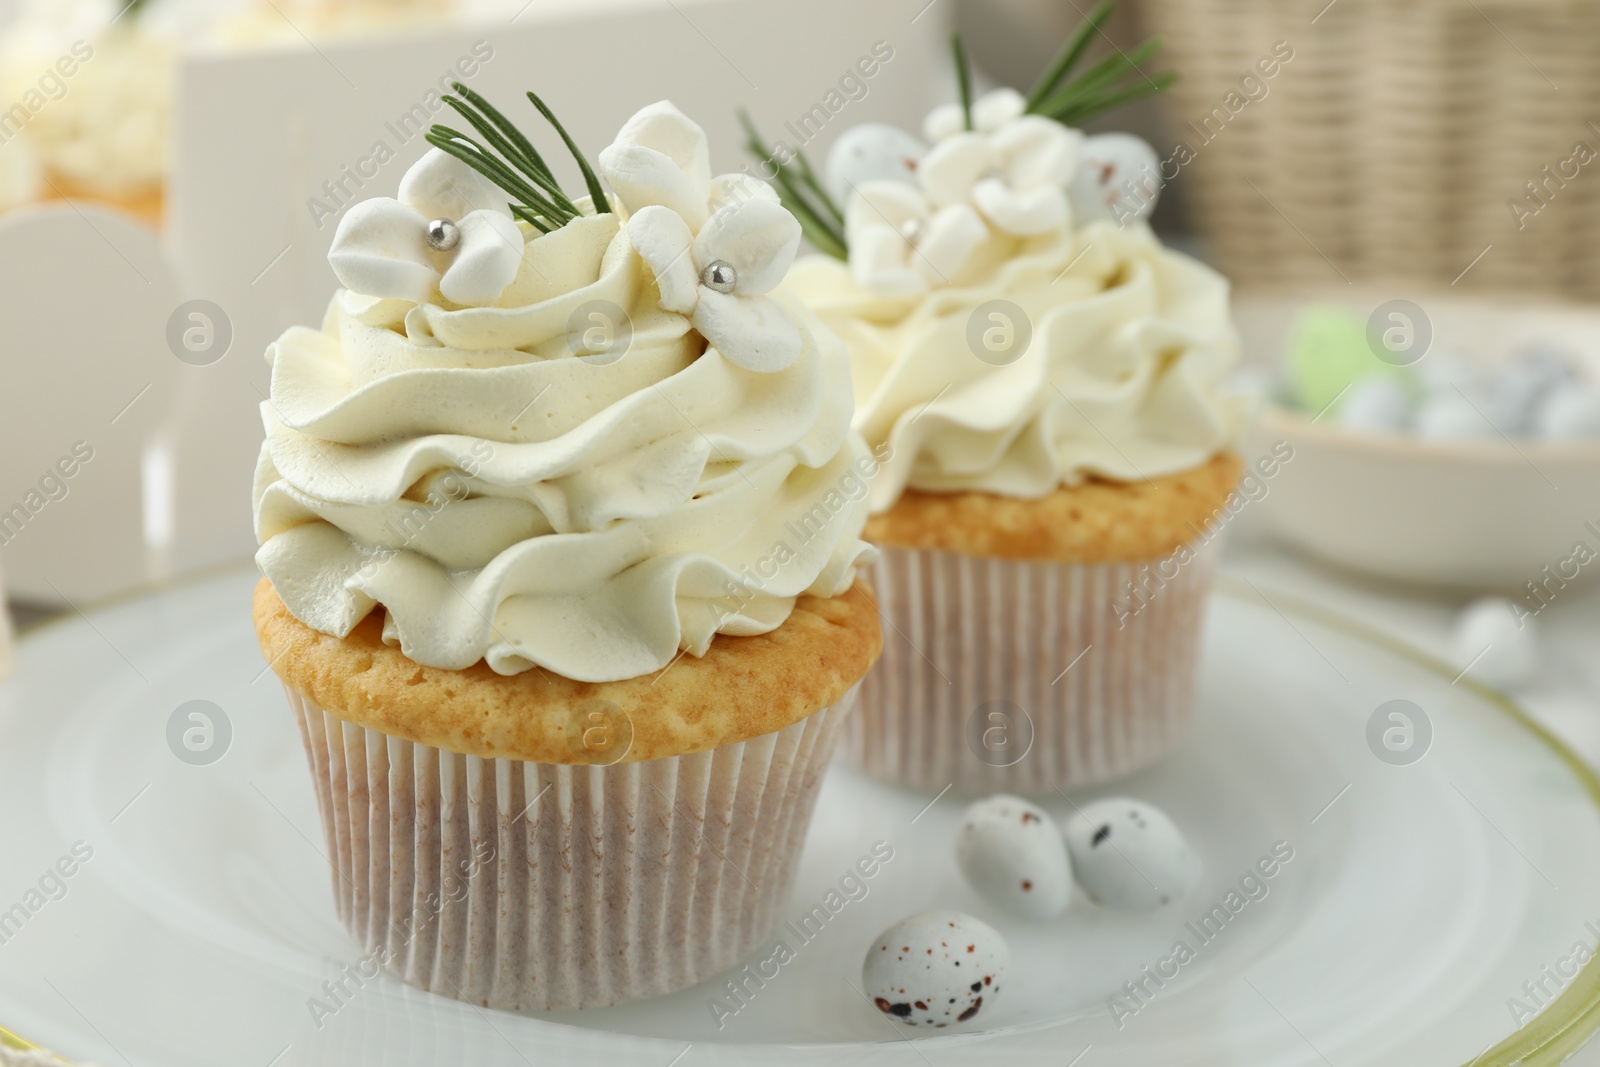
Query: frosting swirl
506	499
1121	378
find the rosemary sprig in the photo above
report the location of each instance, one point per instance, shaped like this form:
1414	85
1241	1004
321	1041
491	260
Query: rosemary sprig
819	217
1081	113
596	193
1071	52
963	79
509	129
511	162
1113	82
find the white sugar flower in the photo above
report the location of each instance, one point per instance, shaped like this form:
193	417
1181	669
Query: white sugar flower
989	112
661	157
717	246
1016	176
450	230
902	245
719	276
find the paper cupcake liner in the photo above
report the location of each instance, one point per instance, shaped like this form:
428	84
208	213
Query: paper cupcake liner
536	887
1028	677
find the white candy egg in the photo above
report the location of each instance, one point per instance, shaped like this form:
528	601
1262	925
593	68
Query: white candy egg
1519	388
1450	416
1011	852
871	152
1118	178
1500	645
1129	855
936	969
1376	403
1571	414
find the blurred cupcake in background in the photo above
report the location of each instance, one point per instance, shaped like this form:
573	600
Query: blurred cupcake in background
88	88
290	23
1043	385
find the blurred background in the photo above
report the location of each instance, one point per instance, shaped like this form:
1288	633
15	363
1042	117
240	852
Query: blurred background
1401	193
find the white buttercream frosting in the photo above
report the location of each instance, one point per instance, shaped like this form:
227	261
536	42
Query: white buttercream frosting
506	497
1123	376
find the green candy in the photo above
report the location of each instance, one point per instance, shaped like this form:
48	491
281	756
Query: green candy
1327	354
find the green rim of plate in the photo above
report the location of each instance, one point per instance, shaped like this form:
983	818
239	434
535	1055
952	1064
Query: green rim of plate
1569	1021
1561	1029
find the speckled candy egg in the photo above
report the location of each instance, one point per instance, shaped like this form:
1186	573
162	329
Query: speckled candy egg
1118	178
1129	855
1011	853
871	152
936	969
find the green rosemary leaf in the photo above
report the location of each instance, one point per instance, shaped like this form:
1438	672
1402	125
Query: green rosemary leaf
597	193
507	127
1104	75
132	9
536	221
823	234
809	176
498	141
457	144
819	233
1070	53
963	78
510	151
792	182
1095	106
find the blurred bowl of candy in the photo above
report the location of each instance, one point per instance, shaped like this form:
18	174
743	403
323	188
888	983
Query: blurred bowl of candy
1437	439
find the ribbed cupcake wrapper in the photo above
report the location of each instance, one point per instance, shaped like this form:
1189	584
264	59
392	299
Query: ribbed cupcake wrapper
536	887
980	653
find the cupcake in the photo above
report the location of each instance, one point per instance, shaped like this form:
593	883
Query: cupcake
559	513
1043	386
291	23
93	81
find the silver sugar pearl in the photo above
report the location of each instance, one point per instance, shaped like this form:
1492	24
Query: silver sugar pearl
443	235
719	277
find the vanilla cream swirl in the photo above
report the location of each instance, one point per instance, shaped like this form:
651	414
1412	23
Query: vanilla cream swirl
506	500
1122	378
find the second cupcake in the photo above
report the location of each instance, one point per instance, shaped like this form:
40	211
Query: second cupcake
1043	384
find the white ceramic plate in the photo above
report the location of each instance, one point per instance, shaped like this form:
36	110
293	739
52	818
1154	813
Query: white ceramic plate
1420	899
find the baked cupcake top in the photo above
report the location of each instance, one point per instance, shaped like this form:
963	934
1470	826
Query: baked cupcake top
1014	326
537	435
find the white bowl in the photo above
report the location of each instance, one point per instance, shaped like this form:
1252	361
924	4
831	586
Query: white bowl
1494	514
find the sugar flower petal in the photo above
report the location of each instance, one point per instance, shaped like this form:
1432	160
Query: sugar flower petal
486	261
757	238
663	241
953	166
381	250
751	332
948	241
442	187
661	157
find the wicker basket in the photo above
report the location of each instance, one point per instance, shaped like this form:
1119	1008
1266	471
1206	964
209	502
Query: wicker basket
1389	146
